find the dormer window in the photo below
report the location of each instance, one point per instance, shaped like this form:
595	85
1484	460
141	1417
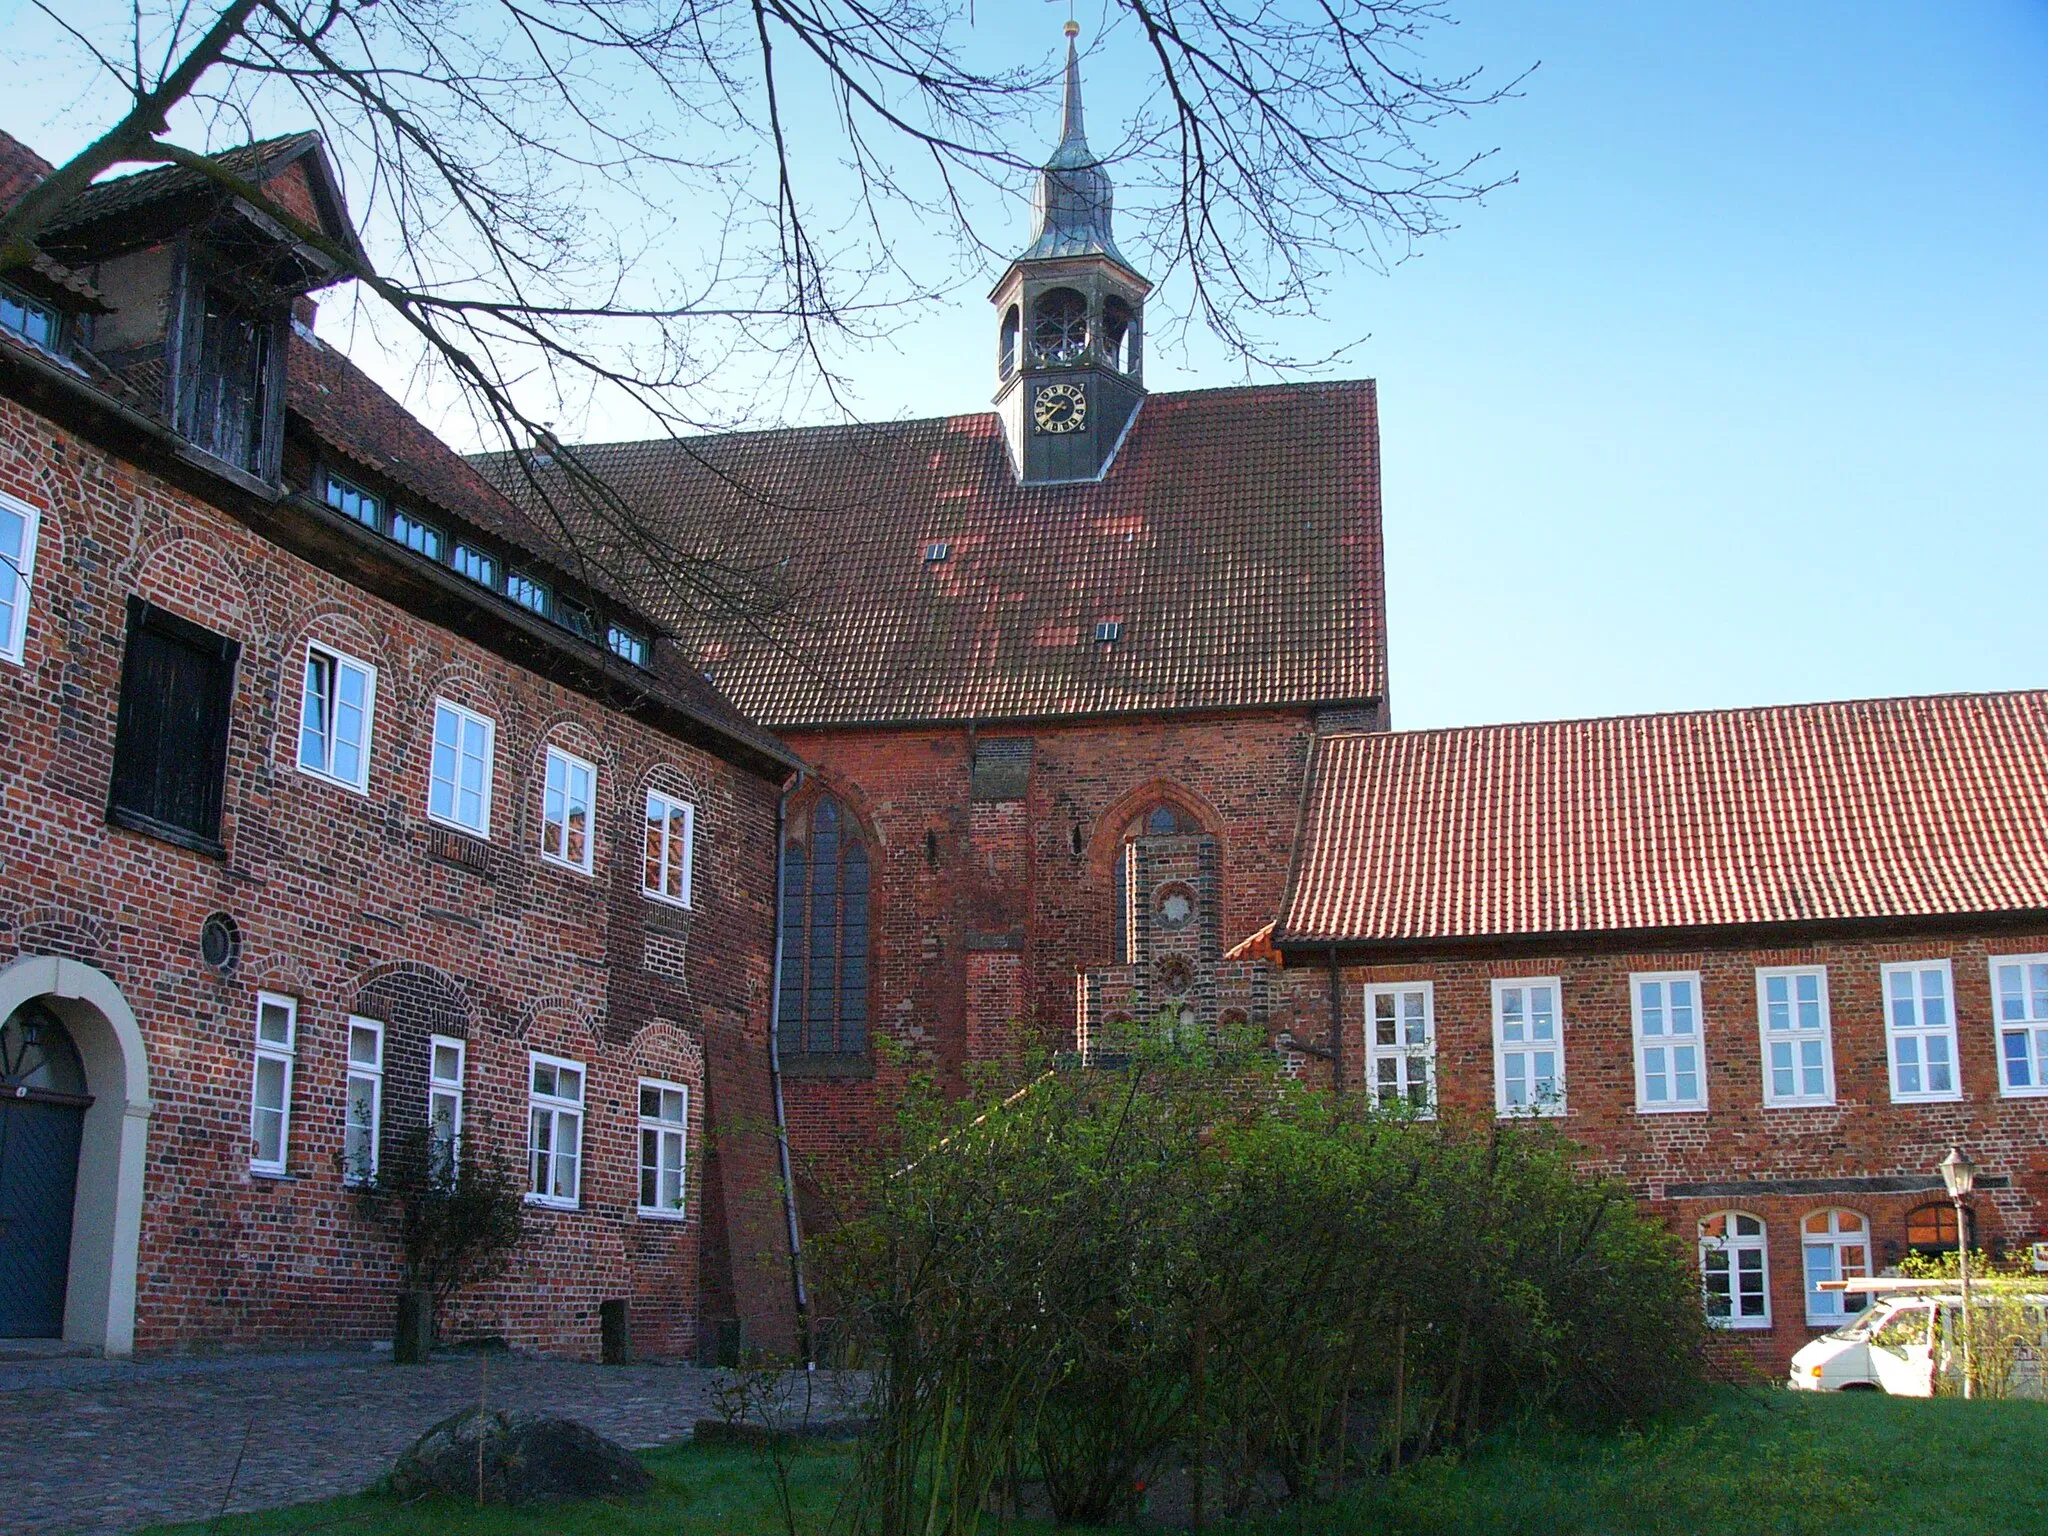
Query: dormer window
414	534
352	501
27	318
477	566
626	645
529	593
225	391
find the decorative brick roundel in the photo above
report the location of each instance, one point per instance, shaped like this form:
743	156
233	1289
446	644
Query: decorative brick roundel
220	942
1175	905
1175	976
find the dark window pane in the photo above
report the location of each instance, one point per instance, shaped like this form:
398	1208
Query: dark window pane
221	396
853	952
170	745
824	1006
790	1017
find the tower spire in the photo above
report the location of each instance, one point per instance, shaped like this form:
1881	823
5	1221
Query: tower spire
1073	201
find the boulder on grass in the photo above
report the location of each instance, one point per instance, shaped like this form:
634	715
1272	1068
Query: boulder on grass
528	1458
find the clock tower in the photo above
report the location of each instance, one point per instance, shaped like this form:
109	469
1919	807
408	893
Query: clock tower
1070	359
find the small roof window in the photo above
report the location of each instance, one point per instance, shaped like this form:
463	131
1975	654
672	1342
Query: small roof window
1109	631
936	551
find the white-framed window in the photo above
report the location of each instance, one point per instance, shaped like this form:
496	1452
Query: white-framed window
1400	1046
1671	1067
1735	1270
664	1139
671	848
1920	1028
414	534
565	810
459	778
556	1139
30	319
270	1093
2019	1004
363	1114
476	565
1792	1022
530	592
19	525
445	1060
1837	1247
1528	1046
335	714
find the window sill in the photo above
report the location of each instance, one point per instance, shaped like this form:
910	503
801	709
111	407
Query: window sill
1929	1098
273	1175
586	871
673	1218
1672	1109
1800	1104
550	1203
480	834
164	831
840	1065
330	780
2023	1093
673	903
1748	1325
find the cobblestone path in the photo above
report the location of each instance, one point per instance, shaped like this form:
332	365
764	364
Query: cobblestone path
100	1447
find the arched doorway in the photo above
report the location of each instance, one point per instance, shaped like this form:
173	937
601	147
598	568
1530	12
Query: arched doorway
104	1144
43	1101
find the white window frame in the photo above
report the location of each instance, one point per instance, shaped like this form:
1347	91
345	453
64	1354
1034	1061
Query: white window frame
1668	1042
661	1130
1403	1055
372	1074
668	805
1733	1246
1921	1034
2031	1027
336	661
1795	1035
554	1106
14	643
1833	1308
443	1089
283	1054
1503	1048
569	763
463	717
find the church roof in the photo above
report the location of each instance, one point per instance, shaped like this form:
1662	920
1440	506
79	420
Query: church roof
1234	542
1873	810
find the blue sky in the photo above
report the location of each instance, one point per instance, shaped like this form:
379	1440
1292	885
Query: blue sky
1738	396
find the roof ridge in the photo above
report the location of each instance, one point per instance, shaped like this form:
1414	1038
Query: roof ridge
1366	385
1732	712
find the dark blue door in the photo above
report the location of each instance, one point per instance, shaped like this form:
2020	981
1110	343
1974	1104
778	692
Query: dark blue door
38	1174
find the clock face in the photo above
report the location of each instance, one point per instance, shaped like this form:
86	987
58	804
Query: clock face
1060	408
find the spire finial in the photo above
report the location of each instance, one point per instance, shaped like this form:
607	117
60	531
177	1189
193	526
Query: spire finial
1071	131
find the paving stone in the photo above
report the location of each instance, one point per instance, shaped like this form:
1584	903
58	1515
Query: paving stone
93	1448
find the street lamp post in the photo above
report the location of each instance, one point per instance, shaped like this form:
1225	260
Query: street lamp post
1959	1174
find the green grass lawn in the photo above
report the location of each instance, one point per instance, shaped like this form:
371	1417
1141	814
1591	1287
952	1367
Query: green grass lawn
1752	1462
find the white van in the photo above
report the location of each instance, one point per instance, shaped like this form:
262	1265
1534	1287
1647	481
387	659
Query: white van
1901	1339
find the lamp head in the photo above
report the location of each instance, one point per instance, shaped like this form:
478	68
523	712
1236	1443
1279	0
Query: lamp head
1958	1173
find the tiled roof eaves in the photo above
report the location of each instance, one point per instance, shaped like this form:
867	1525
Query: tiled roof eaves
325	538
1261	705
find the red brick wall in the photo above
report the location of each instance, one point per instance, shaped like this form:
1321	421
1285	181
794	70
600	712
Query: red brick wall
983	910
1862	1135
336	893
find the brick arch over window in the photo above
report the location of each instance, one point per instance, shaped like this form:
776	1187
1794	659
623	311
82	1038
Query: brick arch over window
1157	809
413	1003
827	872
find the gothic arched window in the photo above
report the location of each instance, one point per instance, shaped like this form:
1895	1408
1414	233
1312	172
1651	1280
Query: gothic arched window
1161	819
1119	336
1059	326
824	1009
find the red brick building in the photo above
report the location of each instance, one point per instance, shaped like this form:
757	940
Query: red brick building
336	807
1766	965
1017	642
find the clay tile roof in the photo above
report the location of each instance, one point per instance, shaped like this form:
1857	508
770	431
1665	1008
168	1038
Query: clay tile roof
20	168
1235	539
354	418
1882	808
123	194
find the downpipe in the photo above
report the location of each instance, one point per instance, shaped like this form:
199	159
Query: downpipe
796	1241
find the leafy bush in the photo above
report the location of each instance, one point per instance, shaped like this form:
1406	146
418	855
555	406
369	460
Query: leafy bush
1193	1253
458	1219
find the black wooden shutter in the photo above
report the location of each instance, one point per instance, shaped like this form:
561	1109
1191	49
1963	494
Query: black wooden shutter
171	742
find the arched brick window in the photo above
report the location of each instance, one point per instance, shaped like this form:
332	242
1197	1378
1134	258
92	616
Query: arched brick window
1735	1270
1837	1247
1931	1228
824	1010
1162	818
